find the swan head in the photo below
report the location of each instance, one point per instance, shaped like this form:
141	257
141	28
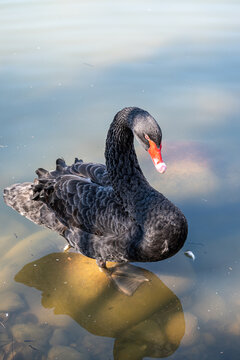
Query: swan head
149	134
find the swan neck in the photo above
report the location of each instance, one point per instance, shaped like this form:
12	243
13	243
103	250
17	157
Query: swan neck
123	168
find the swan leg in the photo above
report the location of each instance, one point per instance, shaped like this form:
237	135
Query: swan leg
101	265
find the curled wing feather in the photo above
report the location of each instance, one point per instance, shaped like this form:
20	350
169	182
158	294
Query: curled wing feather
81	197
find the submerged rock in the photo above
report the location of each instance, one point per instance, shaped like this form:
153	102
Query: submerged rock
34	334
20	351
65	353
59	337
11	301
191	333
97	346
25	318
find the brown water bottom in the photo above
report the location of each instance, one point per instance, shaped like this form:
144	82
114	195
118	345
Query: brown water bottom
60	306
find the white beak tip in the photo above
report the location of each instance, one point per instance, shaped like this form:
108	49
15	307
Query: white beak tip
161	167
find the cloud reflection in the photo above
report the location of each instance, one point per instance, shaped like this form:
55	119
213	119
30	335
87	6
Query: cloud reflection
190	173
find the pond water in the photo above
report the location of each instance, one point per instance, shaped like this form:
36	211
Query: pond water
66	68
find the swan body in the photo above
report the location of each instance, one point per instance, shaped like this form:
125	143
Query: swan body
109	213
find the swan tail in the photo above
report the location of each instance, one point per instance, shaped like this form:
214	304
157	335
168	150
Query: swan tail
20	198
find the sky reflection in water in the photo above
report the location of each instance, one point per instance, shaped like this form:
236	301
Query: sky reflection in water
66	69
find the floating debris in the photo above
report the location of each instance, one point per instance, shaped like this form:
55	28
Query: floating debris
2	324
190	254
3	319
32	347
67	247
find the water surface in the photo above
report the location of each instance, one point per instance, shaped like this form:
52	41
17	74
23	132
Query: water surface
66	68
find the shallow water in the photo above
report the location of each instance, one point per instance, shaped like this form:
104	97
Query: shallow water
66	69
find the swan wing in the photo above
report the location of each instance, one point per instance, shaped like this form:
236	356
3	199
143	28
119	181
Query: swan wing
97	173
80	203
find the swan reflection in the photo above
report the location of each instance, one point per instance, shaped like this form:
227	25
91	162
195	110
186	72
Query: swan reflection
150	323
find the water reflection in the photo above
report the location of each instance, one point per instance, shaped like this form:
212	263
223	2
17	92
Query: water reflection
149	323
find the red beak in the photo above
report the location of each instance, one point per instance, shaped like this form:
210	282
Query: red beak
156	156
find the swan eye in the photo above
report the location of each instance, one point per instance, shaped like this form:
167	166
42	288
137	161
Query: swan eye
147	137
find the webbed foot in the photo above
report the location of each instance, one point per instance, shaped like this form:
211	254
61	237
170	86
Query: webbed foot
127	278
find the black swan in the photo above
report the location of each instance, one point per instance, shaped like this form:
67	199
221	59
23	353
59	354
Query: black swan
109	213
